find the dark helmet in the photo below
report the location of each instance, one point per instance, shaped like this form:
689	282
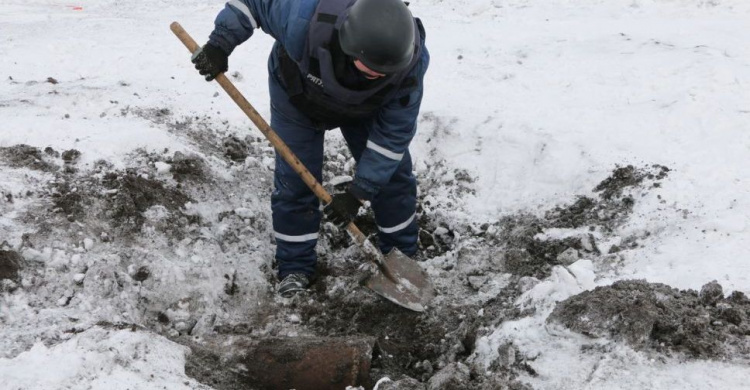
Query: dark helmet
380	33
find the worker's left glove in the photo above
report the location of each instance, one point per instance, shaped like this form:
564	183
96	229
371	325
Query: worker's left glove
210	61
342	209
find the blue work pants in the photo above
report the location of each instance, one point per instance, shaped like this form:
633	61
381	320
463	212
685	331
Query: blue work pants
296	213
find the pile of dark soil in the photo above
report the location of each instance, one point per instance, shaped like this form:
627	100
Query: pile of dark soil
25	156
188	167
653	316
521	253
118	198
72	196
71	156
136	194
519	250
612	207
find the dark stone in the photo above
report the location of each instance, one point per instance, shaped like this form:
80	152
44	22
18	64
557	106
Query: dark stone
731	315
162	318
711	293
142	273
71	156
190	167
51	152
10	264
738	297
235	149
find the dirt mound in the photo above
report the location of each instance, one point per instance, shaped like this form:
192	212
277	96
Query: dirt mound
135	195
236	149
520	252
188	167
25	156
126	199
520	248
653	316
71	156
70	196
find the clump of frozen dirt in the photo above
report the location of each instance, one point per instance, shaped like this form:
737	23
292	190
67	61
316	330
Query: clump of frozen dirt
10	264
134	195
520	252
629	176
117	203
653	316
188	167
124	197
51	152
71	197
236	149
71	156
25	156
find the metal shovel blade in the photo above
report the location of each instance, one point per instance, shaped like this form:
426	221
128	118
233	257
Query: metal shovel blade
409	286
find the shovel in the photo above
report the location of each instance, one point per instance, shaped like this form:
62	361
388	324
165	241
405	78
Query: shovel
397	278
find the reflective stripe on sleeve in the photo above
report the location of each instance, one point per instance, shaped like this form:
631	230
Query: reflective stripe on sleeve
384	151
302	238
398	227
243	8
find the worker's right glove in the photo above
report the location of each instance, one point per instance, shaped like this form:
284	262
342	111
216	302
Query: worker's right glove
210	61
342	209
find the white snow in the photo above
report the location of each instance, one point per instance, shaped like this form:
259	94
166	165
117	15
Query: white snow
101	359
537	99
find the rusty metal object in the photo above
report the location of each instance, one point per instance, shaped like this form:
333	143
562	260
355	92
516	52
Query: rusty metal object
300	363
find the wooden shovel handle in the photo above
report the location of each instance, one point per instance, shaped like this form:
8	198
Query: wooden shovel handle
274	138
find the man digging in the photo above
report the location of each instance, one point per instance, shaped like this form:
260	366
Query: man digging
357	65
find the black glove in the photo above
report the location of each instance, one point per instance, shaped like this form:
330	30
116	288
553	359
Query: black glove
342	209
210	61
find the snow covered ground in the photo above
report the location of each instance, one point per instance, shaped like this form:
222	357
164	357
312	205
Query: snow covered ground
537	100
